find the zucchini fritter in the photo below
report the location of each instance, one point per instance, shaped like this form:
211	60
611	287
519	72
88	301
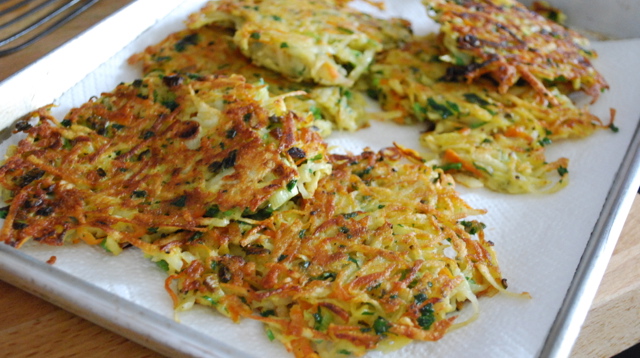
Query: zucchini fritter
211	50
158	156
508	41
381	255
497	138
318	40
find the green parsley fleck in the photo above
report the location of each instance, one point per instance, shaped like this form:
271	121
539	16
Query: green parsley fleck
180	201
3	212
613	128
381	325
562	171
163	265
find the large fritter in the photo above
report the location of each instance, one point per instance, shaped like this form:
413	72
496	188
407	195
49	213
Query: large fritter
237	199
322	41
485	137
381	255
508	41
211	50
157	156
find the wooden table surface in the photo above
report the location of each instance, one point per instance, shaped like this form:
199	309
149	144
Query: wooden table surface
31	327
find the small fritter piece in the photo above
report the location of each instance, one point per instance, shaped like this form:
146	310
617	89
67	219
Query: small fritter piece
508	41
211	50
320	40
159	155
496	138
381	255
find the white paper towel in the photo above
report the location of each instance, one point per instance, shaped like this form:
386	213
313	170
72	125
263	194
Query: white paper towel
539	238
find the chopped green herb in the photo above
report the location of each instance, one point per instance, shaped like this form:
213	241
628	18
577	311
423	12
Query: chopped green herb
192	39
345	30
196	236
418	109
453	106
325	276
470	280
381	325
427	316
544	141
321	321
613	128
270	335
292	184
170	104
67	144
373	93
212	212
480	167
255	35
477	124
260	215
316	157
346	93
163	265
420	298
475	99
350	215
473	227
413	283
441	109
66	123
366	171
351	259
562	171
210	300
450	166
267	313
180	201
560	78
139	193
3	212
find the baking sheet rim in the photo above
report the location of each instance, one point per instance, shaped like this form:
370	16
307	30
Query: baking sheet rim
110	311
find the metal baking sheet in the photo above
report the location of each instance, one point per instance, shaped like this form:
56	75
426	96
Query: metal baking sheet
554	246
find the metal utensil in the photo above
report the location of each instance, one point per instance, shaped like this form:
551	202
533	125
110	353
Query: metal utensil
23	22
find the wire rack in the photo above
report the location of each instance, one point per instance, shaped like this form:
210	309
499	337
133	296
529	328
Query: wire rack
23	22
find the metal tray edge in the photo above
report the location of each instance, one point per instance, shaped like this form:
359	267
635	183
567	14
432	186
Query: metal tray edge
164	335
595	258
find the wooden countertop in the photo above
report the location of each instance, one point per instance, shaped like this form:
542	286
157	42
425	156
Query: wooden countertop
31	327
